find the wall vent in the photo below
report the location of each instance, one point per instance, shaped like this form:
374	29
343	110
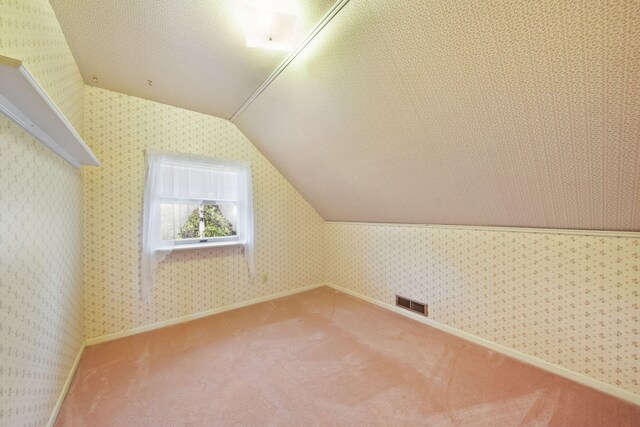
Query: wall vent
411	305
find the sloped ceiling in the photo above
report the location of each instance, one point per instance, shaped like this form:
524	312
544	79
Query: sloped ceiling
481	113
193	51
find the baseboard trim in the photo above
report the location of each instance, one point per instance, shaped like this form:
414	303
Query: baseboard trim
65	387
194	316
515	354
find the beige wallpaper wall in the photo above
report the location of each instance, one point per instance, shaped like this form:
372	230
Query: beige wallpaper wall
288	231
570	300
41	310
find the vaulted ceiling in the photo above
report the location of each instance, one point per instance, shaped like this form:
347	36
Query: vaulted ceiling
481	113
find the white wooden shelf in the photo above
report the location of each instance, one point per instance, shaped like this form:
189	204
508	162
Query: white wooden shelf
27	104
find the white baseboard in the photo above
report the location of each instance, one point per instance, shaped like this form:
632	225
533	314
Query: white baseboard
65	387
187	318
531	360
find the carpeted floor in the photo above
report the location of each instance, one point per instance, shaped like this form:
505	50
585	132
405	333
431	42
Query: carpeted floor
320	358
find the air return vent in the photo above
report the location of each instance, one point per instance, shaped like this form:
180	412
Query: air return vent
411	305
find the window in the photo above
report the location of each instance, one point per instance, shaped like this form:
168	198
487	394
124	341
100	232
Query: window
205	222
193	202
201	202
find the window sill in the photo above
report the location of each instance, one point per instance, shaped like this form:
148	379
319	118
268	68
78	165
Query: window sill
202	245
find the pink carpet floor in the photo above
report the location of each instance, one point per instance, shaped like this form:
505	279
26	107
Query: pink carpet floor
320	358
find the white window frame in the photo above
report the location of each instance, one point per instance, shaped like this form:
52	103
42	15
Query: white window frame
205	242
163	166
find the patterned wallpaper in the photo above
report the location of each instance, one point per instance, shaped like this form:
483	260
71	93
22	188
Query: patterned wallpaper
29	31
570	300
41	230
288	231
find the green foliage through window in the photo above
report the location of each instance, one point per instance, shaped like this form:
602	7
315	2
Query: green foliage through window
206	221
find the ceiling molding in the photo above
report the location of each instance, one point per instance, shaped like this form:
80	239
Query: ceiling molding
319	26
594	233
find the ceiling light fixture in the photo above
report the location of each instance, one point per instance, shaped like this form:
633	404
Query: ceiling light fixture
270	24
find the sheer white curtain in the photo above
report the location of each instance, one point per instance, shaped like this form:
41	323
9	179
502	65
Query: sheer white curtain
245	232
177	178
152	255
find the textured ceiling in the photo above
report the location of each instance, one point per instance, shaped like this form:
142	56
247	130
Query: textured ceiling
506	113
194	51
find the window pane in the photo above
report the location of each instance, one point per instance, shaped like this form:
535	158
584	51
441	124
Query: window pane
192	221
